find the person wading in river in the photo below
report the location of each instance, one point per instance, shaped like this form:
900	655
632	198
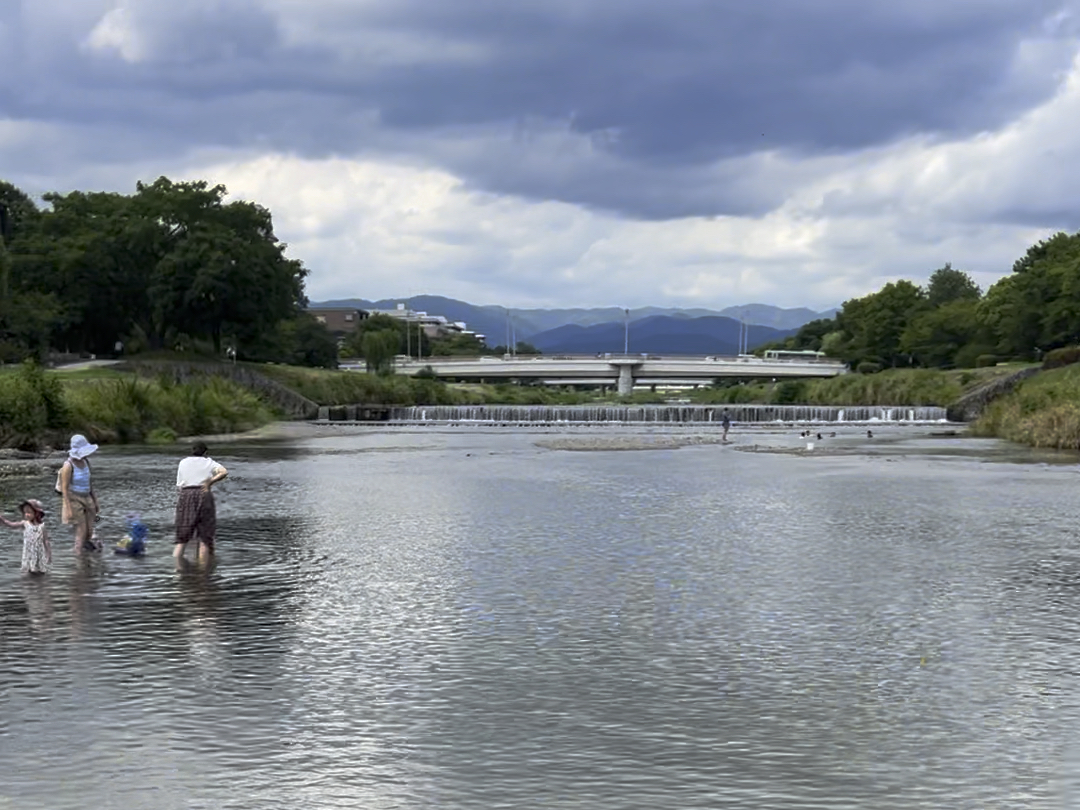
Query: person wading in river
195	510
80	504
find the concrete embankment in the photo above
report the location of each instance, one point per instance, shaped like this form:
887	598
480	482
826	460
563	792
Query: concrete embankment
971	405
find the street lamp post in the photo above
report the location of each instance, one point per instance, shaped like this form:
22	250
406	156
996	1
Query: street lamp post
626	336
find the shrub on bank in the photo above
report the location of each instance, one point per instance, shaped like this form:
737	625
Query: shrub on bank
32	407
1059	358
1043	411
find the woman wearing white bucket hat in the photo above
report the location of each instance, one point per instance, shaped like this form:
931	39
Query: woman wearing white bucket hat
80	502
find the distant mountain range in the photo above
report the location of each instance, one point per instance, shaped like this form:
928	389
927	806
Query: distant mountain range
658	334
530	324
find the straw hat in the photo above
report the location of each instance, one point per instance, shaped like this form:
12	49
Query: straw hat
80	447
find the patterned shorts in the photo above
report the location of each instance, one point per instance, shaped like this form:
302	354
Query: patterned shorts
196	515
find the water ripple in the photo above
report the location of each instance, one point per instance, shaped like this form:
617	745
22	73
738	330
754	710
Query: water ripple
461	620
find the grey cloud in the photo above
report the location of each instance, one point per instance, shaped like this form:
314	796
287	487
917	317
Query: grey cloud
668	102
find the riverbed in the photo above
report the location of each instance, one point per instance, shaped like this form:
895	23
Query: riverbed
463	617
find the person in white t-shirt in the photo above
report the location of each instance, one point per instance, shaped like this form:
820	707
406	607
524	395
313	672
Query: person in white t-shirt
196	514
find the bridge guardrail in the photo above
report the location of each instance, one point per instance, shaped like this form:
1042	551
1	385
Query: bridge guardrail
717	358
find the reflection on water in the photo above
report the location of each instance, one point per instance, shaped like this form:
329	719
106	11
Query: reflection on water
462	619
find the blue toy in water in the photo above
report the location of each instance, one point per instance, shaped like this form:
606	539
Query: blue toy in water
133	544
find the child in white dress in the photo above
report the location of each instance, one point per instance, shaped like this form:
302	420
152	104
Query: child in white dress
37	551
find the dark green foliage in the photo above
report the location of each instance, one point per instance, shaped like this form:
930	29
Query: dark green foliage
455	344
789	392
868	367
947	286
935	337
299	341
986	361
968	357
1037	308
379	349
951	323
173	263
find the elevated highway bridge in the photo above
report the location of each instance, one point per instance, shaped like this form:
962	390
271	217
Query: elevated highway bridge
623	370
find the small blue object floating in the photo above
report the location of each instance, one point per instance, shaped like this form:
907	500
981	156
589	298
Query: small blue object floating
133	544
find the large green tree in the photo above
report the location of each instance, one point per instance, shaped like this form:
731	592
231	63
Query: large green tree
1037	308
170	260
223	272
947	285
934	337
875	323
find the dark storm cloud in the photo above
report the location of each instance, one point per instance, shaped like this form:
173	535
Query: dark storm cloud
618	104
694	81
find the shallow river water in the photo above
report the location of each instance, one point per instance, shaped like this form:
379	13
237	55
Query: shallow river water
458	618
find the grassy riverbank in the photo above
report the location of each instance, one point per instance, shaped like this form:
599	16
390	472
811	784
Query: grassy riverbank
39	408
1043	411
910	386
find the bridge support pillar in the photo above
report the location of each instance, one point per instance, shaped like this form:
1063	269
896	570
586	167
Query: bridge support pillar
626	380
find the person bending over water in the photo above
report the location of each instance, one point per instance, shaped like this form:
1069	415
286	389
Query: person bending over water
196	514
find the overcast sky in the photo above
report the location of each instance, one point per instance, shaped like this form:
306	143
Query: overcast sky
573	152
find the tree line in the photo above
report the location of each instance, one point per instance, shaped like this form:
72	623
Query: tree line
172	266
950	322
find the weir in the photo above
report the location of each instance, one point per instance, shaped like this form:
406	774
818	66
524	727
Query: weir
655	414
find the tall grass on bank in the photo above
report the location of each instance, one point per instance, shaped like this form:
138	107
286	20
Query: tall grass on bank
132	410
1043	411
350	388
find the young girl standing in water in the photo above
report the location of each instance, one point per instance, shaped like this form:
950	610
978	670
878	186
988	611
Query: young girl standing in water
37	552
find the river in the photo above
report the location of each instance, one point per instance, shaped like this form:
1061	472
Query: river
458	618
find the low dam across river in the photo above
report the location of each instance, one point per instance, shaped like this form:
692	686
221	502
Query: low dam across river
670	414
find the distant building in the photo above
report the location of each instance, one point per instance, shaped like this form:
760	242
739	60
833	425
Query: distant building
340	322
432	325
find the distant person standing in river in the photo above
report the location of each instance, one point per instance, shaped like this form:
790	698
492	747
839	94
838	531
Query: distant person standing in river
196	514
725	422
80	503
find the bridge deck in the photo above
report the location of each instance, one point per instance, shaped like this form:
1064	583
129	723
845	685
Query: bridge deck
608	367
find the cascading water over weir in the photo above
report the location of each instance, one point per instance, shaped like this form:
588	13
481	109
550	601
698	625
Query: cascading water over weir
633	414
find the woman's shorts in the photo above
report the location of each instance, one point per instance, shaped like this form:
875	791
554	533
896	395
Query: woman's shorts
82	508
